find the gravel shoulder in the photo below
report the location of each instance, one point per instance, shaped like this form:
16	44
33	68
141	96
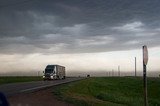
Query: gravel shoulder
43	97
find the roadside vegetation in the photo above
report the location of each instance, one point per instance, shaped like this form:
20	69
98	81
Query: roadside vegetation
15	79
109	91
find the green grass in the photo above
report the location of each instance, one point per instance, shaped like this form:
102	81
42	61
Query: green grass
111	91
15	79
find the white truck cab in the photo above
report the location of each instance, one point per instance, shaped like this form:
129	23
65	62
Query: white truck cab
54	72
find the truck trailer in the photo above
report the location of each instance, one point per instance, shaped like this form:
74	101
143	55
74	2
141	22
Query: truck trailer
54	72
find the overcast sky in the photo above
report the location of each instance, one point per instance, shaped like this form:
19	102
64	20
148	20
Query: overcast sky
77	27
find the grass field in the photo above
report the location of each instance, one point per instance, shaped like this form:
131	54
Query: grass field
15	79
111	91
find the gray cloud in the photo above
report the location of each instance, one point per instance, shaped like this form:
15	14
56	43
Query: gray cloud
78	26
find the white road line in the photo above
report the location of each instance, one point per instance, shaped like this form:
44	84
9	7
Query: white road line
45	86
30	89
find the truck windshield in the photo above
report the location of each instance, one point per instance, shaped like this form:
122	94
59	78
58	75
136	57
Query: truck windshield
49	71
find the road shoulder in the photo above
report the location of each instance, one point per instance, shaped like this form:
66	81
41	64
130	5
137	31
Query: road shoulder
43	97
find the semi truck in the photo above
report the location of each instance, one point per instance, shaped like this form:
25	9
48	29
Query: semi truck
52	72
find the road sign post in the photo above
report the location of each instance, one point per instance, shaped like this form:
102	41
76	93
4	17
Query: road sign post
145	61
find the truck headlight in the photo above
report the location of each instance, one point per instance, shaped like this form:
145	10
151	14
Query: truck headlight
51	77
43	76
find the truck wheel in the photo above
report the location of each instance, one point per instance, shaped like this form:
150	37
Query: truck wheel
58	77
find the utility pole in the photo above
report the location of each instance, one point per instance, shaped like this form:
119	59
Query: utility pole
38	73
119	71
135	67
112	72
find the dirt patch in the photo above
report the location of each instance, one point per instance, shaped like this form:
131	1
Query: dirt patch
37	98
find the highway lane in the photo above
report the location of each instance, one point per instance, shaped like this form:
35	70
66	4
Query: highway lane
15	88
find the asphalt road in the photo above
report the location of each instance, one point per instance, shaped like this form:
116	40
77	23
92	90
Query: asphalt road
16	88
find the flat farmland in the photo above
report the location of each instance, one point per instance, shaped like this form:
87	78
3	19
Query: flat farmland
15	79
109	91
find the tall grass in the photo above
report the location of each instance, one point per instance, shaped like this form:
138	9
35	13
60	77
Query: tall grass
110	91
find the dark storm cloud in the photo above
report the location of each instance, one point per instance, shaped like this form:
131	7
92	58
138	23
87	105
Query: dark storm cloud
78	26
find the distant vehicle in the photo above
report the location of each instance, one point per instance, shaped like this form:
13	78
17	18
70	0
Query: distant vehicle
54	72
88	75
